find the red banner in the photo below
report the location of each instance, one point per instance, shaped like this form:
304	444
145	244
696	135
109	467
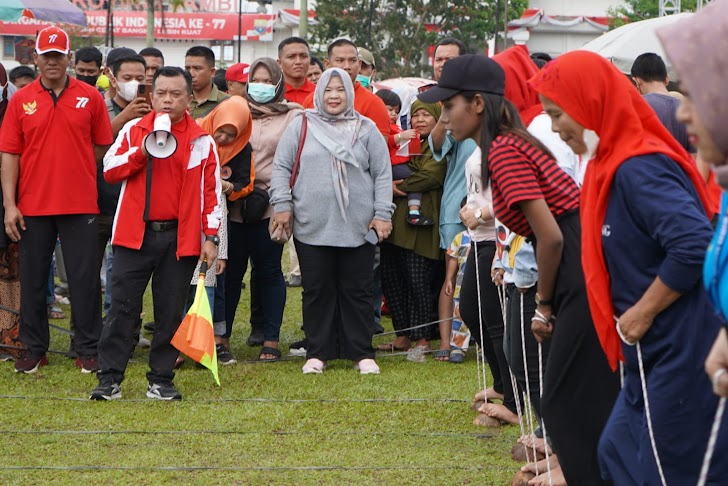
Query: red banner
193	26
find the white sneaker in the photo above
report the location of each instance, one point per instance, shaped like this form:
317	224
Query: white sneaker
313	366
367	367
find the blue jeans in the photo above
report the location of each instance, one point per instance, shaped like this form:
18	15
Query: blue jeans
252	241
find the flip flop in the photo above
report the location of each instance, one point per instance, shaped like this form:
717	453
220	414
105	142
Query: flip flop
390	347
268	350
457	356
441	353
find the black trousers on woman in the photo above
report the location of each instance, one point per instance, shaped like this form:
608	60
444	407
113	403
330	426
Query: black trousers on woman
514	346
579	386
337	300
491	317
407	286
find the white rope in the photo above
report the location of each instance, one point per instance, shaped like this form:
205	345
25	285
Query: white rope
514	383
528	407
643	383
480	377
480	317
711	442
543	424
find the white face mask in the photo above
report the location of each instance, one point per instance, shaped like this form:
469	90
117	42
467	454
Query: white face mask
591	140
128	90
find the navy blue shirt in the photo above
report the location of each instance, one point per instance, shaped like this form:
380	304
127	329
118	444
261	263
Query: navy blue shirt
656	225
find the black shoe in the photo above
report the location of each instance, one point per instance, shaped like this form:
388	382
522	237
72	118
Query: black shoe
294	281
298	348
419	220
256	338
163	391
107	390
71	351
224	356
149	326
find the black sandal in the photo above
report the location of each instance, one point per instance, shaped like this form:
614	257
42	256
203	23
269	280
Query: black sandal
419	220
272	351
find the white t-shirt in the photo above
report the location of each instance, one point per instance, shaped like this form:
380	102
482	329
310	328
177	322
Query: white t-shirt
569	162
477	198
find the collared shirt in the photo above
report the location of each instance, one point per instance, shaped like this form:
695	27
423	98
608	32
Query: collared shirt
55	136
299	95
198	110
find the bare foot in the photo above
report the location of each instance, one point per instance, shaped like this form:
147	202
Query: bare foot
541	466
500	412
531	441
557	479
486	421
424	343
488	393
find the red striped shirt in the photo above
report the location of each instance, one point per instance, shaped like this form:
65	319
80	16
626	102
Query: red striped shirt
521	172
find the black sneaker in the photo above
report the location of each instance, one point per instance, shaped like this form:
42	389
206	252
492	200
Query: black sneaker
298	348
107	390
163	391
224	356
256	338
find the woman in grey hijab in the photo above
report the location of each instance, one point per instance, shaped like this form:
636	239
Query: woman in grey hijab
342	191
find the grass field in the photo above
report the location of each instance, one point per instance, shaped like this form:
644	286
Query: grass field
266	424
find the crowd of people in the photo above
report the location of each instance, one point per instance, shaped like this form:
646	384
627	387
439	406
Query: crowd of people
566	219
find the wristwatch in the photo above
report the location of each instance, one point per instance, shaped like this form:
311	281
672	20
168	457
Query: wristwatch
540	301
214	238
478	214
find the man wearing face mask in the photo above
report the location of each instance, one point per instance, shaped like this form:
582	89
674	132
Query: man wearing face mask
126	74
87	65
367	68
200	63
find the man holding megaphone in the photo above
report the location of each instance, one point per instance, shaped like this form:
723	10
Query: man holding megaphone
167	219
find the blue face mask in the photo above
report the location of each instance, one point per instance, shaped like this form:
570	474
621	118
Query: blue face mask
364	80
261	93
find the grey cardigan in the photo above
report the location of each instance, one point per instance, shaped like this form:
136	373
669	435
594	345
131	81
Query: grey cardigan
316	217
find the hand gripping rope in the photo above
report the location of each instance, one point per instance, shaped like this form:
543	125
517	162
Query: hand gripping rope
643	382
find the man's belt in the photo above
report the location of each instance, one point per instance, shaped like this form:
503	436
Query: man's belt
161	225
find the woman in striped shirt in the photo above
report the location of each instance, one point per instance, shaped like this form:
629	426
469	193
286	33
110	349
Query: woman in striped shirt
536	199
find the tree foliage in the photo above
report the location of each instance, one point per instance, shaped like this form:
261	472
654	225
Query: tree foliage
399	32
636	10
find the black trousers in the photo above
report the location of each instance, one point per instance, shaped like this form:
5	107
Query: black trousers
513	345
407	286
490	315
337	301
579	386
79	233
156	259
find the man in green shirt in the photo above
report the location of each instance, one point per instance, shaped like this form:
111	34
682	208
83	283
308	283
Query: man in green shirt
200	63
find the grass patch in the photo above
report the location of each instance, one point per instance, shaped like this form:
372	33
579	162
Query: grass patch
266	424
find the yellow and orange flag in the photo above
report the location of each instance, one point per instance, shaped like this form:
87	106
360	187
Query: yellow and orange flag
196	336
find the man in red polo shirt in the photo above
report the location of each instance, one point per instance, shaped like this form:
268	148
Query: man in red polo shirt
167	218
54	132
342	53
294	57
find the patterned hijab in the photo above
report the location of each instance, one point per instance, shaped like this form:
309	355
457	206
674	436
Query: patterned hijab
278	105
696	47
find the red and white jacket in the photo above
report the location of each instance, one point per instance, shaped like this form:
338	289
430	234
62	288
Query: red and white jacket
199	210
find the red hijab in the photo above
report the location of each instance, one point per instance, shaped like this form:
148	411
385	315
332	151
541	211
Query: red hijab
596	95
519	68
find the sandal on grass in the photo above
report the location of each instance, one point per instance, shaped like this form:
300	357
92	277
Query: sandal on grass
391	347
441	355
55	312
271	351
457	356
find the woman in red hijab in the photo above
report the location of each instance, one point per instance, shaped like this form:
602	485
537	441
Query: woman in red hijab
644	233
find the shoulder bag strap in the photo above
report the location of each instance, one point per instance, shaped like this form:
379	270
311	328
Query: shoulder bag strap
301	143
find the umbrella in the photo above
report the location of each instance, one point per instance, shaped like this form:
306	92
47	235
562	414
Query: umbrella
61	11
195	337
623	44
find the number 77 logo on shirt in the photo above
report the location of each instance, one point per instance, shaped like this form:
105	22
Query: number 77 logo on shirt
81	102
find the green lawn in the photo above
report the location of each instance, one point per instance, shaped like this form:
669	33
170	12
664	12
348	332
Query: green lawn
266	424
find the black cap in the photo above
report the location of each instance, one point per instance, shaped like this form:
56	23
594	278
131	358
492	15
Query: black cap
120	53
469	72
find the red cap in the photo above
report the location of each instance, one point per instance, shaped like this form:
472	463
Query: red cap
52	39
238	72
